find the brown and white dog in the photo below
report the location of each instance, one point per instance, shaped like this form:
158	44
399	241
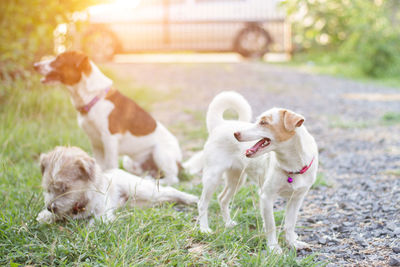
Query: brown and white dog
115	124
283	162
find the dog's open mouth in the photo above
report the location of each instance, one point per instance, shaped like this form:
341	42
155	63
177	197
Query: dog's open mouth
78	208
49	78
258	146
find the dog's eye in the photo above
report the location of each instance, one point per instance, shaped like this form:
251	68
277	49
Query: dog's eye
63	189
263	122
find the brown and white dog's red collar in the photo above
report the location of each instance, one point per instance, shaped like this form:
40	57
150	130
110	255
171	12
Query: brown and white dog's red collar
303	170
86	108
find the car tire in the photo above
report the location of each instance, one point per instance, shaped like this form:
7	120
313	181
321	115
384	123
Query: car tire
252	42
100	45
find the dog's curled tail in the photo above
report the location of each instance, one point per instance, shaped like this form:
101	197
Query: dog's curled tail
224	101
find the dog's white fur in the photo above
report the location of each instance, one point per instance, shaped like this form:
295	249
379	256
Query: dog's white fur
160	144
74	186
224	157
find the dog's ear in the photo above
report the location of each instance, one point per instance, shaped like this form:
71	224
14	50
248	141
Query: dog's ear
87	167
43	161
83	64
292	120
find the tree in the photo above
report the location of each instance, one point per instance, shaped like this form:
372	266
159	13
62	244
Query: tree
27	28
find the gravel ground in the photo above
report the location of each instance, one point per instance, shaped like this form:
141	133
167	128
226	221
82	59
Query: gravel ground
354	222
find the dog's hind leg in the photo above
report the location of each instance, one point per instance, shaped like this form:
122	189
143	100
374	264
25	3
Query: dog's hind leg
233	181
211	179
167	164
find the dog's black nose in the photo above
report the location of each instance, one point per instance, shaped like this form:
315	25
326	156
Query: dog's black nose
237	136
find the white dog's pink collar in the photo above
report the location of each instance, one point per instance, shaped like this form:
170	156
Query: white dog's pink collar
303	170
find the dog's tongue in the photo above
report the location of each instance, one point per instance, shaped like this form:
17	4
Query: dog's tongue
254	149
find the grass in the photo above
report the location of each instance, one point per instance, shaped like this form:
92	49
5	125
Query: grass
321	181
391	118
34	119
336	122
326	63
388	119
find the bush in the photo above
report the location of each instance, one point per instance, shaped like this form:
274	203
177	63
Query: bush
27	28
362	32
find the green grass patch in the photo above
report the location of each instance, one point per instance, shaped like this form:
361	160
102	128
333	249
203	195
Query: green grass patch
328	63
195	133
36	118
388	119
391	118
336	122
321	181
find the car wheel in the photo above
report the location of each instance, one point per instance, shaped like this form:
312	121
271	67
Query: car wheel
252	42
100	45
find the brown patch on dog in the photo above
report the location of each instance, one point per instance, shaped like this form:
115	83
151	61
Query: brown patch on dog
68	67
266	120
291	120
150	167
128	116
284	129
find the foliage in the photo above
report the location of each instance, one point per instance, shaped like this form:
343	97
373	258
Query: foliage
27	30
361	32
390	118
321	181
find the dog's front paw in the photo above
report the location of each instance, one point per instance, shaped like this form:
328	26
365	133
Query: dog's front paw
45	216
191	199
230	224
205	230
299	245
275	248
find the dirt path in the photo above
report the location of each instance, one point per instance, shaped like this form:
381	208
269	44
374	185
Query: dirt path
357	221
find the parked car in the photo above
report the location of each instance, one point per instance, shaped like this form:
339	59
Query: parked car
249	27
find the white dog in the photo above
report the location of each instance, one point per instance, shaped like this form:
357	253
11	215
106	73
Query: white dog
115	124
74	186
283	162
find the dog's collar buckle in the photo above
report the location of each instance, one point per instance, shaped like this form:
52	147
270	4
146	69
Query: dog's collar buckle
303	170
86	108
